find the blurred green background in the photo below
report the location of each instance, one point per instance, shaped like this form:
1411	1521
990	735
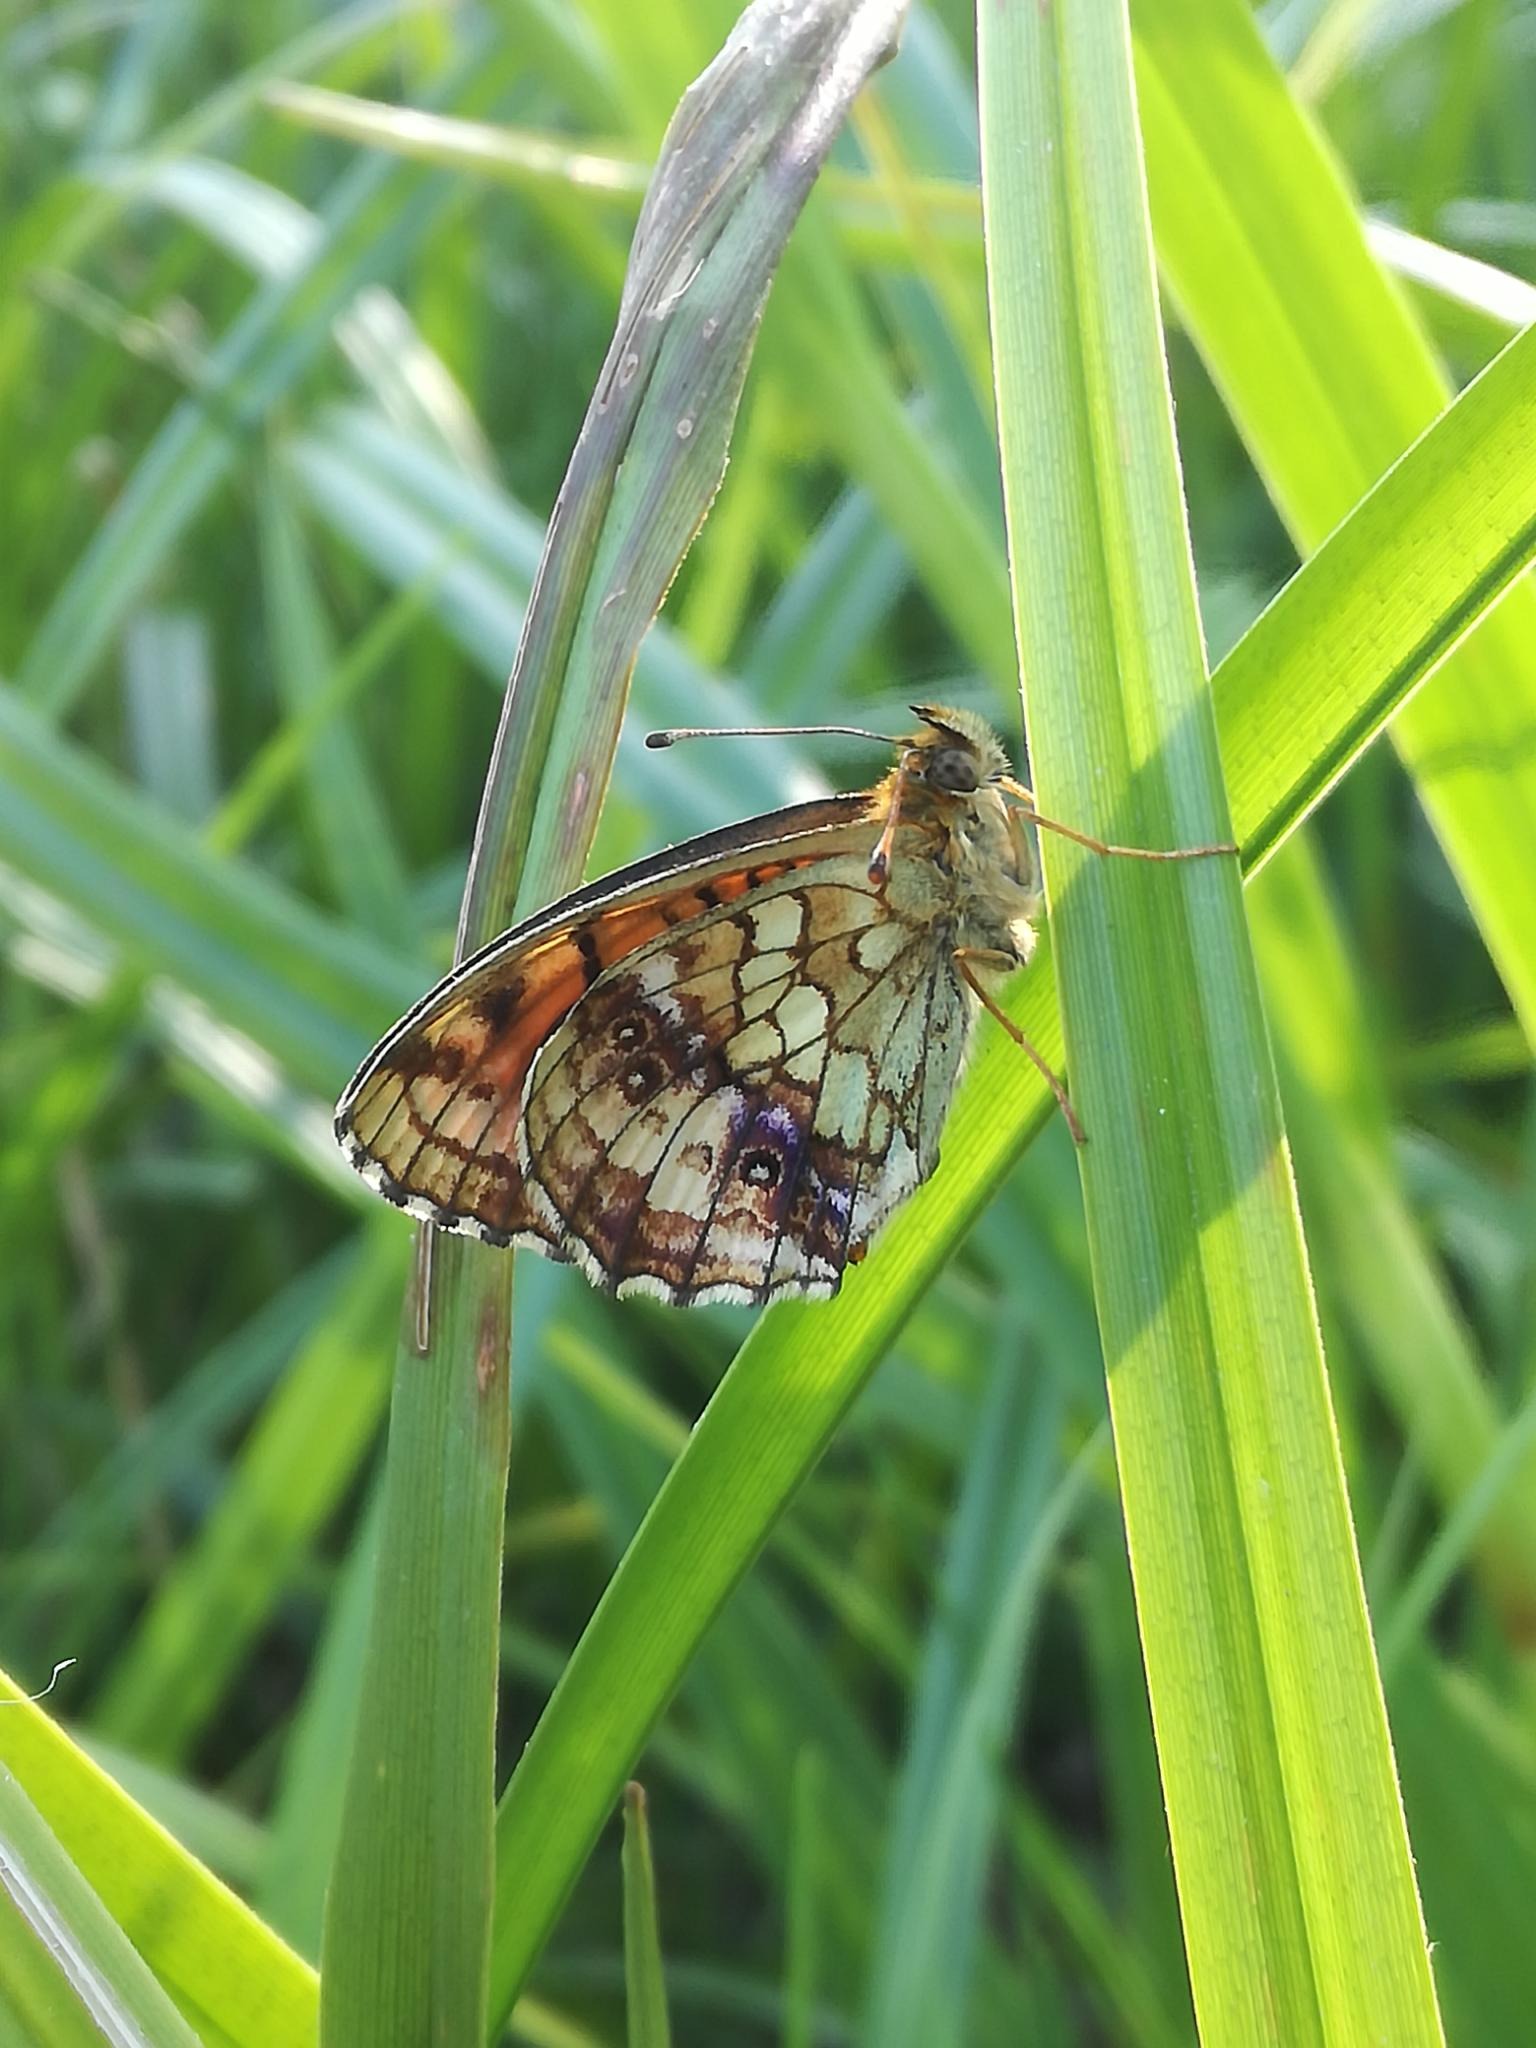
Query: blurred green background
288	386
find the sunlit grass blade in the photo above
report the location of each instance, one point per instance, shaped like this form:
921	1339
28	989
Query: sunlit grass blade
1300	1915
62	1952
1328	379
1347	642
1475	303
220	1962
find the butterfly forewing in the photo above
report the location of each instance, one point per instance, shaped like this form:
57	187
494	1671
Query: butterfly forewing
431	1119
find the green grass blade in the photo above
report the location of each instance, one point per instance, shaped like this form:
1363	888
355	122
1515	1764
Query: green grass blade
1474	304
1328	379
292	1471
1300	1915
645	1988
215	1831
403	1943
54	1927
1347	642
222	1965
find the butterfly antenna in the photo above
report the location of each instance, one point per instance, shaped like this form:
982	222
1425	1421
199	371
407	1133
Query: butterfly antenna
673	733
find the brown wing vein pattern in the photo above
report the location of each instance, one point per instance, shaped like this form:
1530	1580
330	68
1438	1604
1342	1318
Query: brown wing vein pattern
714	1095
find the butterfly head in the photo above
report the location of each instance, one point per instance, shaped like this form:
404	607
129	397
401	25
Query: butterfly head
947	787
954	752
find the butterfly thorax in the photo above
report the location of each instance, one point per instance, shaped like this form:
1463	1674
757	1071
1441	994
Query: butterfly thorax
956	823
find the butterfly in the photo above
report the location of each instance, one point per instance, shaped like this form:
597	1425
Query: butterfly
713	1075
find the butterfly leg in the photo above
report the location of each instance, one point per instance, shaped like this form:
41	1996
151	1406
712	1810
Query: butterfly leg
1026	797
967	959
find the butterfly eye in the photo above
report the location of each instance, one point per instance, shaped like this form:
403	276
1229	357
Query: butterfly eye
952	769
761	1169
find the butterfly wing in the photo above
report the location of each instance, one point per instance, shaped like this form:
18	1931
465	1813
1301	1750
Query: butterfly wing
430	1119
735	1108
710	1078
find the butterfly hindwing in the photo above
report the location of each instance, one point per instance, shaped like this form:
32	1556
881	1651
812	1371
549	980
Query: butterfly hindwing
735	1107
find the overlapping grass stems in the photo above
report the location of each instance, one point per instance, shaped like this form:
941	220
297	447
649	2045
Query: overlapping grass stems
406	1955
182	1009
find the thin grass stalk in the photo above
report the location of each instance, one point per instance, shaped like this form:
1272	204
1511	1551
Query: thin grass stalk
408	1920
645	1986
